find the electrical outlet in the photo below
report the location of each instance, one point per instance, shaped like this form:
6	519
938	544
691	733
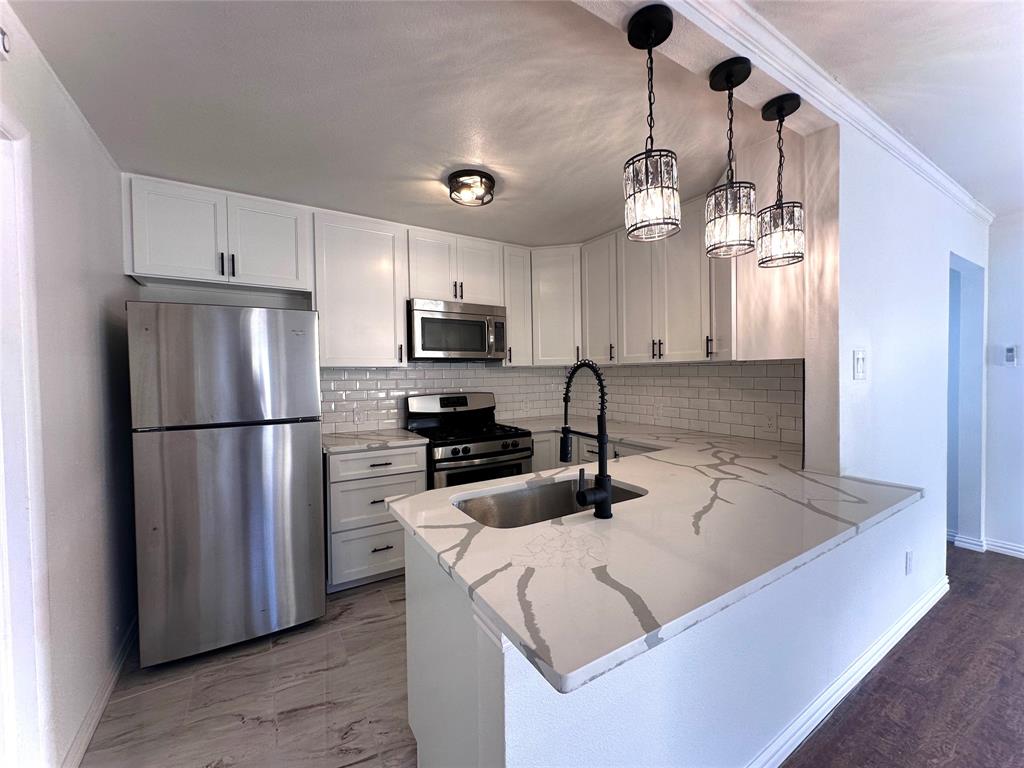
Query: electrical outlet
773	423
908	562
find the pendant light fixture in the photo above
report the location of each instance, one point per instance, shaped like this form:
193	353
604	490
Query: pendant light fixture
650	179
471	187
780	227
730	210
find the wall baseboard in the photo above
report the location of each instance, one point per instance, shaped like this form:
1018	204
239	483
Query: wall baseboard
969	542
1005	547
791	737
73	757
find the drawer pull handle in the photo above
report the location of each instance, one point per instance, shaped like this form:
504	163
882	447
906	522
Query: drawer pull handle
382	549
377	501
381	464
595	453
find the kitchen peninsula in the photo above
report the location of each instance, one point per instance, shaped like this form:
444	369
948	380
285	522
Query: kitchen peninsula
711	621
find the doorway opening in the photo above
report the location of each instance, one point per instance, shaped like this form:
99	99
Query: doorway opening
965	522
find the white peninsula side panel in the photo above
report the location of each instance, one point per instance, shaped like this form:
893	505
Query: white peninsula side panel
741	688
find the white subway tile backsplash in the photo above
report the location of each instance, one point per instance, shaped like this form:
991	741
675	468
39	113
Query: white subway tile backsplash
724	398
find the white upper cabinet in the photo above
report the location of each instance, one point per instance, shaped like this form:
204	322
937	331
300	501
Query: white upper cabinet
682	314
454	268
361	289
599	299
518	306
194	233
723	308
480	271
556	305
433	265
178	230
270	243
636	271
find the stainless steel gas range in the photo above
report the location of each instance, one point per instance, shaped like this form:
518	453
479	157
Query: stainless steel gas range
466	444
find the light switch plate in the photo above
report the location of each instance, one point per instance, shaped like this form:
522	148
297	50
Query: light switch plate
860	364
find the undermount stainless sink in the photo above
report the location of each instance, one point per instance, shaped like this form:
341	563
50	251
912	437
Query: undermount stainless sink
535	504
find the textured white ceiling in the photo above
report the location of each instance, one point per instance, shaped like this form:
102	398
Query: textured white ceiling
949	75
365	107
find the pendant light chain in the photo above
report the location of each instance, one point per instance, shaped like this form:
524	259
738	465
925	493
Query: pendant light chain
650	99
730	173
782	162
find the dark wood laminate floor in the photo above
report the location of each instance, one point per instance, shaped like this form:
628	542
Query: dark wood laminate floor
951	693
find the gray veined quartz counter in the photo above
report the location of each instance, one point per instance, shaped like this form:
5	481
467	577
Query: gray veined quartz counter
370	440
722	518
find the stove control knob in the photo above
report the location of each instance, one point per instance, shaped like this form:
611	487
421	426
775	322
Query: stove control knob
504	446
515	443
455	451
465	450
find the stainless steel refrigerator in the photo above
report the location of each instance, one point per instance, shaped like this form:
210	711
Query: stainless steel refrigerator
229	521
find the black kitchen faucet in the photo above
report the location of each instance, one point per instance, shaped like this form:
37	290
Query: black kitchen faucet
600	494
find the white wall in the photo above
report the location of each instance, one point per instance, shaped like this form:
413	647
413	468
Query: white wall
1004	526
79	295
896	234
770	313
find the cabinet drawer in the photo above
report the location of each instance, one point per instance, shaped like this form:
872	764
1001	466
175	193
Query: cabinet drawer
366	552
391	461
358	503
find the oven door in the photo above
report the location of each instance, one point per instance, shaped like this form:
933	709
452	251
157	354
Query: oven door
442	330
462	471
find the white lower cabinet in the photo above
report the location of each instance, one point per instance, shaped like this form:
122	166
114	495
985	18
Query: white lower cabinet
363	553
365	542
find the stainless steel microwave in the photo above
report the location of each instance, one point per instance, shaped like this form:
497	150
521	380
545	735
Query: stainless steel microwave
452	330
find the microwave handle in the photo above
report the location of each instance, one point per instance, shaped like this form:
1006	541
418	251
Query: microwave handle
490	336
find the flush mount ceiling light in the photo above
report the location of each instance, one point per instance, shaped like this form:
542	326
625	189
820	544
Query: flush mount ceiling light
780	227
471	187
729	212
650	179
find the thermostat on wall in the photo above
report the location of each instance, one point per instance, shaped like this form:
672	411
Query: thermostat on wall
1011	355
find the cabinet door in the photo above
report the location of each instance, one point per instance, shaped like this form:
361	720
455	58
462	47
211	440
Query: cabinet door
722	280
556	305
599	299
433	271
271	243
178	230
361	279
518	306
681	298
480	271
636	278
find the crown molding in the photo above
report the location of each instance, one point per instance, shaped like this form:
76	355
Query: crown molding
738	26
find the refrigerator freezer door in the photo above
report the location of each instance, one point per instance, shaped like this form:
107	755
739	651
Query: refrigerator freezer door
229	528
196	364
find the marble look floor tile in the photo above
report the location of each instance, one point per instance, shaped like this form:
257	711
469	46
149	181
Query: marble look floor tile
330	694
134	679
141	730
368	604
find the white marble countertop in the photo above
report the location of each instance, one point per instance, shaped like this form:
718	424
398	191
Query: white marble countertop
348	442
722	518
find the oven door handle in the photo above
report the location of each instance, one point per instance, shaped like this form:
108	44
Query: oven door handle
450	465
